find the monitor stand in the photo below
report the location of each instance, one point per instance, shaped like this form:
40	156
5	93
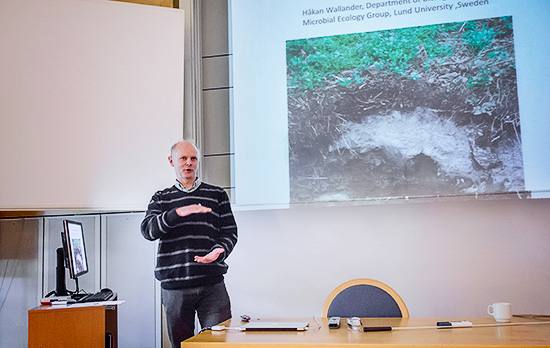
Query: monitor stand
60	283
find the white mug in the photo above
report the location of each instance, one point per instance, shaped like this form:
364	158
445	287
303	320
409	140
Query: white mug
501	311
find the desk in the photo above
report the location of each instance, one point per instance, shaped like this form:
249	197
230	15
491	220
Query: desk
537	335
80	325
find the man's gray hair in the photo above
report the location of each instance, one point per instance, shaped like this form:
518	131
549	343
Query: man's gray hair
186	141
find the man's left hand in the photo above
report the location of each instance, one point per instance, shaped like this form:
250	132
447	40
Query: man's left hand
210	257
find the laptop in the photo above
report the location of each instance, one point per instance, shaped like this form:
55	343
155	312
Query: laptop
275	326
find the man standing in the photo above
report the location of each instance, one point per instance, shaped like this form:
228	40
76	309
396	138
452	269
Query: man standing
197	231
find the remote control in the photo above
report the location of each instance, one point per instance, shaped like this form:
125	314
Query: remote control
334	323
450	324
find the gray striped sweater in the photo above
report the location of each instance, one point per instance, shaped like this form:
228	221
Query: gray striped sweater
181	238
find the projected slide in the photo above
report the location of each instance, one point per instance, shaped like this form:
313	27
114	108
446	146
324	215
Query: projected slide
429	110
346	101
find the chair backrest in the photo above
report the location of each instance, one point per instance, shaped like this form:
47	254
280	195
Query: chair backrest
364	298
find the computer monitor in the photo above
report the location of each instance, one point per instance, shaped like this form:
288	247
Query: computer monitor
75	248
71	256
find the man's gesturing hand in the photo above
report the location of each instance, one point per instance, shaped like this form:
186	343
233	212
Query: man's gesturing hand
210	257
192	209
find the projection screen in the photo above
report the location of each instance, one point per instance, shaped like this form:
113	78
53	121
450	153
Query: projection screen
343	101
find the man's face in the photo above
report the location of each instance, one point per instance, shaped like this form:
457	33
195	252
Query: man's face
185	161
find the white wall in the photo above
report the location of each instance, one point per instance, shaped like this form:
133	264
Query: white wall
20	281
91	101
445	259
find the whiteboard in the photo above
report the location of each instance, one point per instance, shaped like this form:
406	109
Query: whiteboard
91	99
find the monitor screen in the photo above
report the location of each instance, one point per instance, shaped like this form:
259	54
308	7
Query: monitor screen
75	249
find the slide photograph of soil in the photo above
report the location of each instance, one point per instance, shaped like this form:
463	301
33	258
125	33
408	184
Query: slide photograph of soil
415	112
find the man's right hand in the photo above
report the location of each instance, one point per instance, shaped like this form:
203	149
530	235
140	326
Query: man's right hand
192	209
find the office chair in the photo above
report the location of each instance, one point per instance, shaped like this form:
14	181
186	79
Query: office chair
365	298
